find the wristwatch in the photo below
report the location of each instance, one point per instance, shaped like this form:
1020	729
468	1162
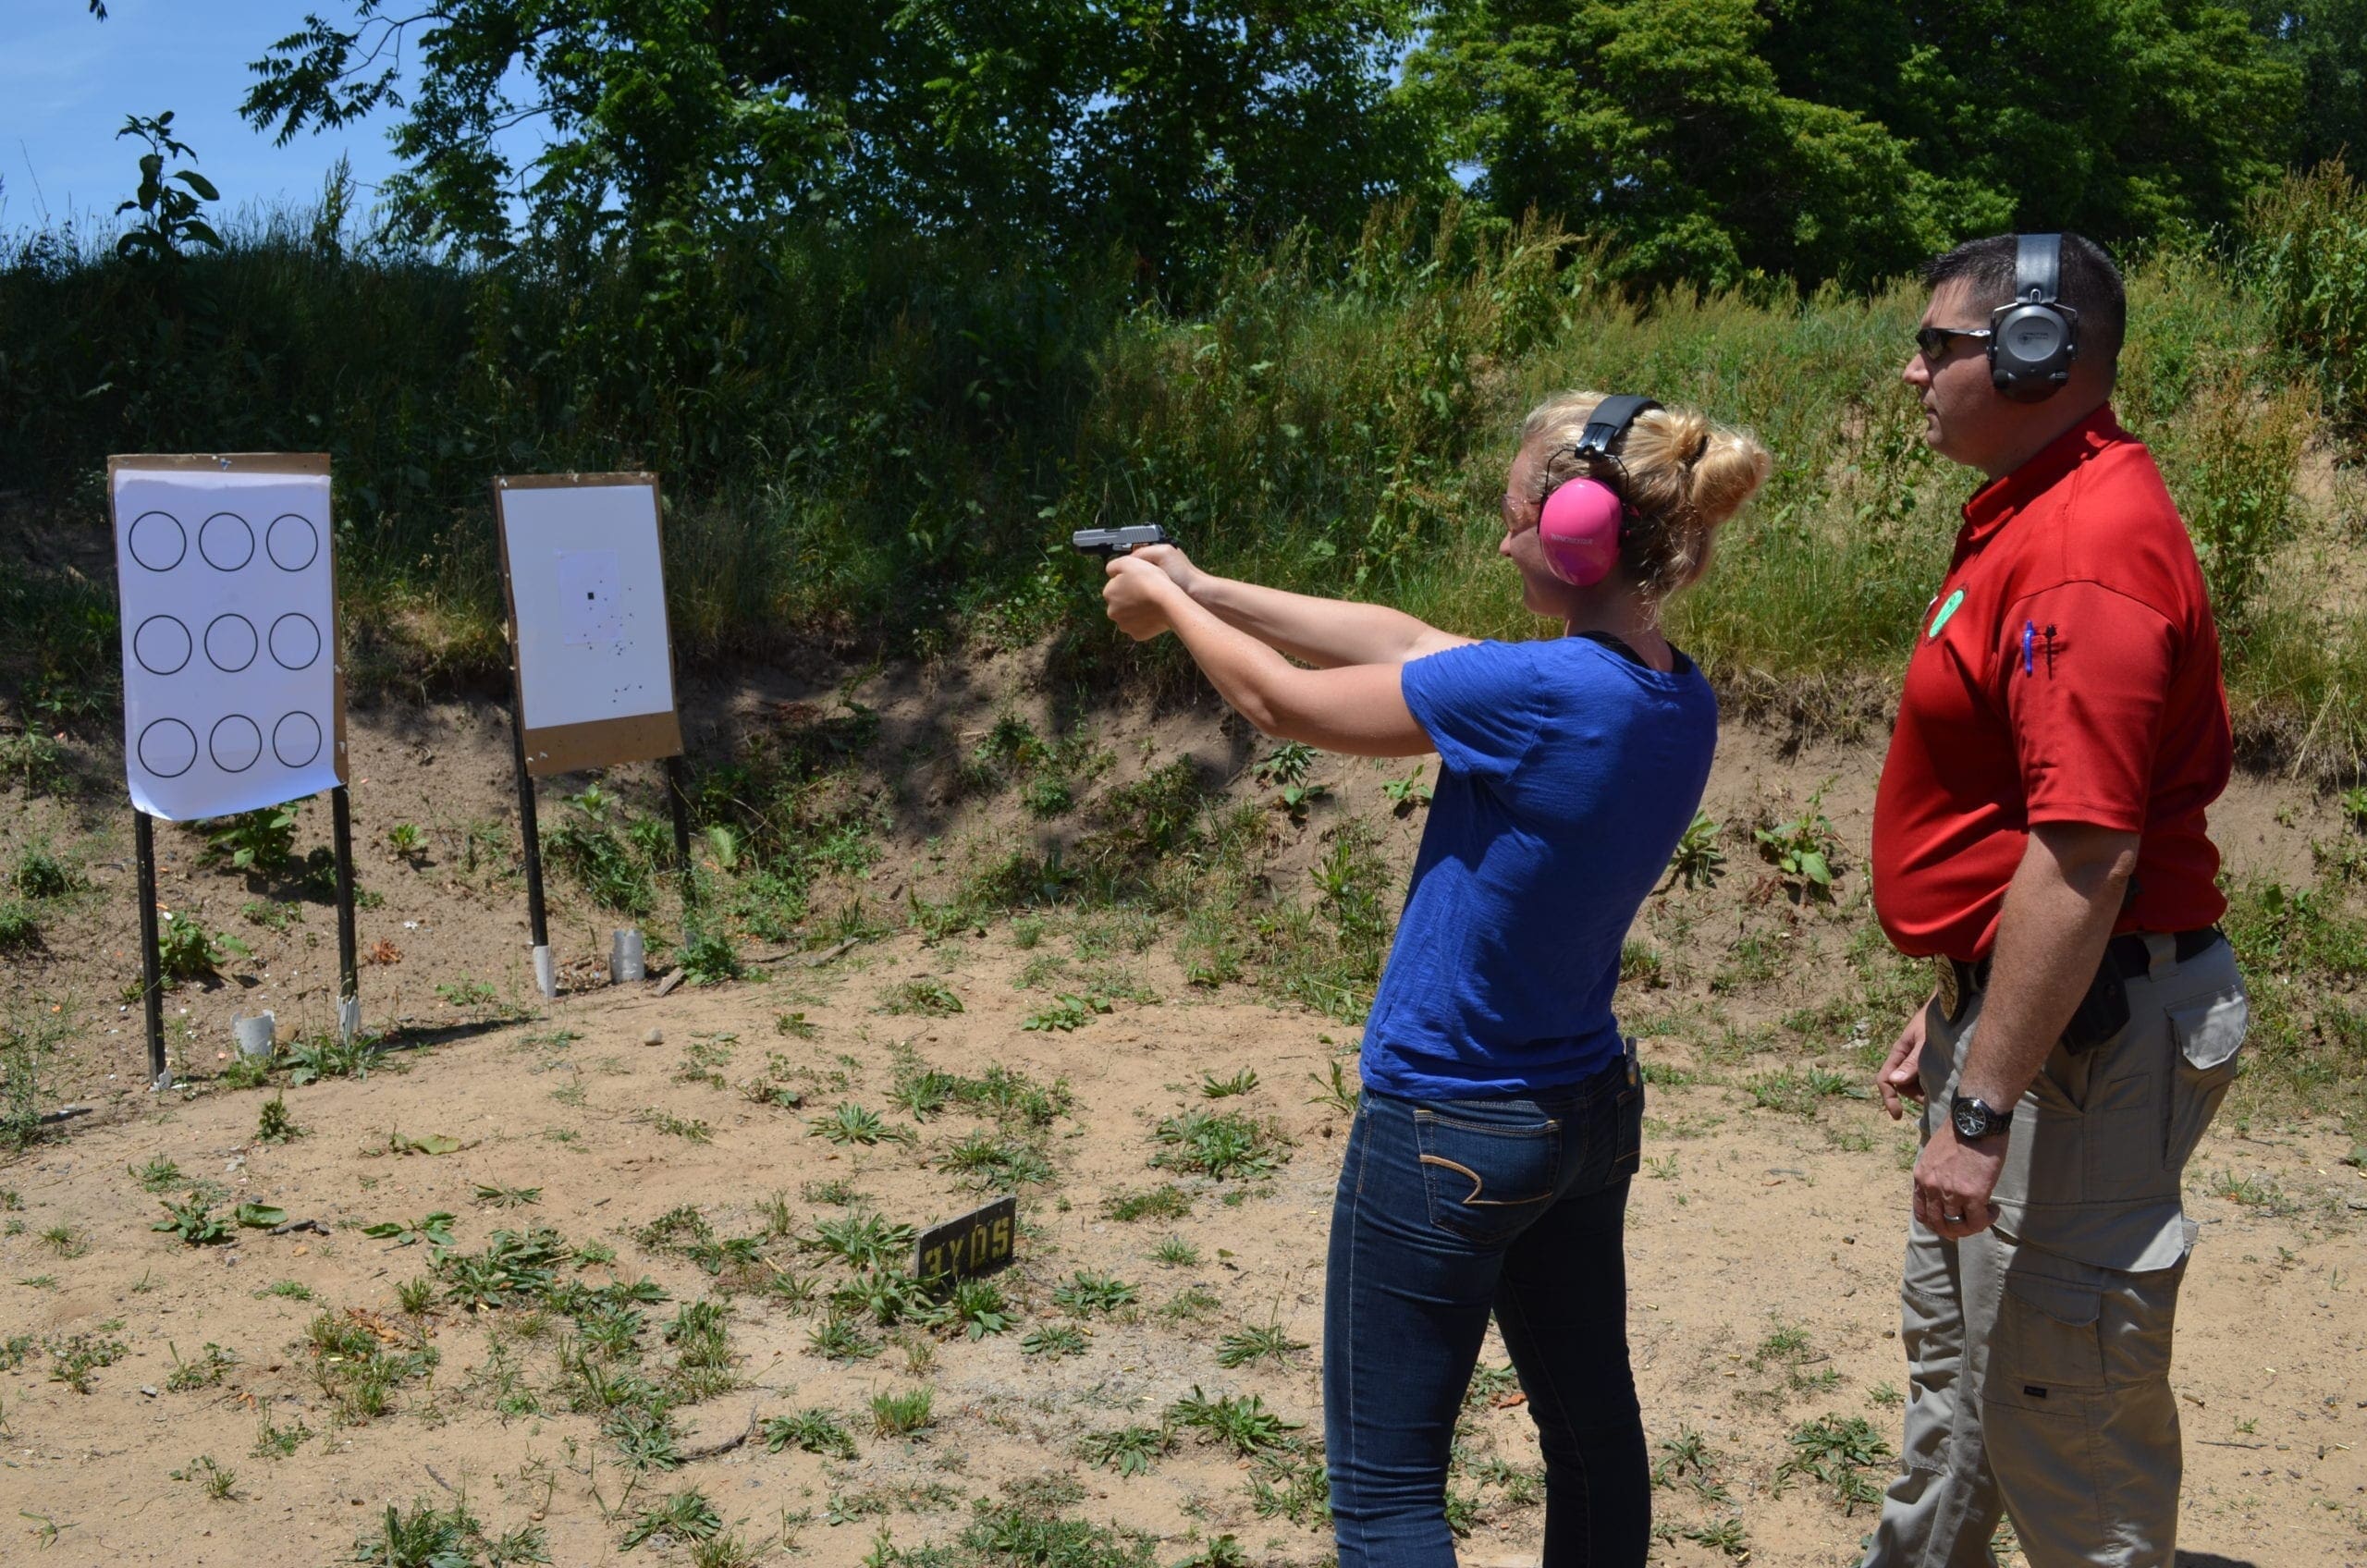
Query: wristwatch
1974	1120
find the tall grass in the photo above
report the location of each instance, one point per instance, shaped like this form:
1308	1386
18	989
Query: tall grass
2305	258
879	442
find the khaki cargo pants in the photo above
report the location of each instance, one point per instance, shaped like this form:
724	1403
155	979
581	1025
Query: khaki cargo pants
2038	1351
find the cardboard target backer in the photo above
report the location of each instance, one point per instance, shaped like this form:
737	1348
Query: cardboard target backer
586	583
231	693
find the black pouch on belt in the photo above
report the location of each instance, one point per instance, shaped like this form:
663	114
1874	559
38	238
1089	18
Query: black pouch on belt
2101	1014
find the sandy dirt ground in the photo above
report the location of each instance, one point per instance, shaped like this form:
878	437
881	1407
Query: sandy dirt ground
1765	1230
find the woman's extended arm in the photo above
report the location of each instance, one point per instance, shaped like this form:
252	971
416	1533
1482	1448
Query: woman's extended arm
1358	709
1323	632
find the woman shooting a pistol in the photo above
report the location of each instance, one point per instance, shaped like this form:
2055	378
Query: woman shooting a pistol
1502	1112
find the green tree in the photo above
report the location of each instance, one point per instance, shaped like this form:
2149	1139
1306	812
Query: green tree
2325	41
1843	139
2119	118
1139	123
1659	127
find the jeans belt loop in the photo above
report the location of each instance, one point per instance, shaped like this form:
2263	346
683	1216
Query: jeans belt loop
2162	950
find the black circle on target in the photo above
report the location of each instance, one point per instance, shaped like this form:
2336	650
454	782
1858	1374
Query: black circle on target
226	542
296	740
295	641
161	645
291	542
234	744
230	643
156	541
168	748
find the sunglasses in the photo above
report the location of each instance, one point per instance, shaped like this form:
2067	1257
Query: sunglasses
1934	341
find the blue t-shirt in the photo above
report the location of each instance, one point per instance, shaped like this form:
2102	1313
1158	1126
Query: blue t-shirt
1569	772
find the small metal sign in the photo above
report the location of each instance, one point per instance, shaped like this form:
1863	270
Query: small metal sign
978	1242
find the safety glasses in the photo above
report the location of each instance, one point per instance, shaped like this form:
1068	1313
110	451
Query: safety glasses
1934	340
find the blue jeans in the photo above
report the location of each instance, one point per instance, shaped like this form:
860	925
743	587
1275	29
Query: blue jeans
1448	1211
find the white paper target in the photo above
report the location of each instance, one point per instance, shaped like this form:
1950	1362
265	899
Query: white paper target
589	587
229	682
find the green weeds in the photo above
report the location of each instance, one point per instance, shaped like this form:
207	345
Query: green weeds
1838	1451
812	1431
193	1222
186	950
1165	1202
709	959
1697	861
1240	1423
862	1240
1066	1013
1264	1341
205	1372
682	1516
74	1357
274	1124
1129	1451
1802	849
1798	1091
928	999
978	1309
1174	1252
1087	1294
852	1123
216	1481
988	1163
902	1414
1227	1145
1053	1340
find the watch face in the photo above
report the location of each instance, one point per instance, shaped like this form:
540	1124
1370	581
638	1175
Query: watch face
1971	1121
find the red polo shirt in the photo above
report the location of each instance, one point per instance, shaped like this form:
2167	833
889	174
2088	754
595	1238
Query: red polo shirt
2066	671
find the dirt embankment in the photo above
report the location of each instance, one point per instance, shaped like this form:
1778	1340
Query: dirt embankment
1765	1239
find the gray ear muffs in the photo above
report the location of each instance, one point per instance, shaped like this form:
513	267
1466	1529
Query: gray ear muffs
2033	340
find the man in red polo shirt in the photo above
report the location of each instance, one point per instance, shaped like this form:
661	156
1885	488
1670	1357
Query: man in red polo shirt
2039	833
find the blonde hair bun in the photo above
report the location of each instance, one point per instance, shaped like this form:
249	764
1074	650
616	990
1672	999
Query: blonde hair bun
1680	472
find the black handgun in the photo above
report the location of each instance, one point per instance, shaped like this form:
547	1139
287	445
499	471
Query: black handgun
1108	541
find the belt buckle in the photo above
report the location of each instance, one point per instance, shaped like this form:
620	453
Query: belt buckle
1950	991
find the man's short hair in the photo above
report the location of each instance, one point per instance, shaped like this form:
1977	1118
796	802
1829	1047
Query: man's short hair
2088	283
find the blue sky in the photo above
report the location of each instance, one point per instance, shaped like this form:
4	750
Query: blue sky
67	82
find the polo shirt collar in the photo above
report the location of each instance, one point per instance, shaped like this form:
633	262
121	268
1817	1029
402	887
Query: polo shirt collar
1994	504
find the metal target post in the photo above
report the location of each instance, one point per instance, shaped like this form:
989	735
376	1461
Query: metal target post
537	914
152	976
349	983
678	792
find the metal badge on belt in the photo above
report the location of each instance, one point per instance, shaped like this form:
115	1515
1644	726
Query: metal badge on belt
1951	993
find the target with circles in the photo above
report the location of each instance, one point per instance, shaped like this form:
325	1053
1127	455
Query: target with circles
231	694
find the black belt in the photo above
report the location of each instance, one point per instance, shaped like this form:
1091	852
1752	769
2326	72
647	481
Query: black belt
2126	957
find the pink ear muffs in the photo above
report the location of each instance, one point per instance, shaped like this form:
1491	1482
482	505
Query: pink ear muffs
1579	531
1580	525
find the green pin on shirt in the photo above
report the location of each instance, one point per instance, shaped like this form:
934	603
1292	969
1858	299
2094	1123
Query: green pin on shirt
1946	610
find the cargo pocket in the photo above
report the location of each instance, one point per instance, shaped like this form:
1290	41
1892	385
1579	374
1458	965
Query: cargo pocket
2123	1120
2046	1352
2210	1033
1487	1181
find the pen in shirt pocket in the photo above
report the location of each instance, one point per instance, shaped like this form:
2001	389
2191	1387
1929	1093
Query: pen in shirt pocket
2029	633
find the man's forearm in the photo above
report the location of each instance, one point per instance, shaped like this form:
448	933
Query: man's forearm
2059	913
1323	632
